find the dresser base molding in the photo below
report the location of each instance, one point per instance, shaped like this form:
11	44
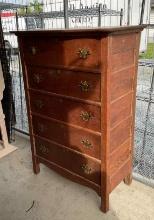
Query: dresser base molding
80	180
70	175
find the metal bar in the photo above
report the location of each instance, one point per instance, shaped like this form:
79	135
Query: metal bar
142	131
121	16
74	13
142	12
17	22
21	131
139	98
66	18
128	12
26	18
99	15
9	6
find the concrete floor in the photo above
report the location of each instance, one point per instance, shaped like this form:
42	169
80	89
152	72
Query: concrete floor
56	198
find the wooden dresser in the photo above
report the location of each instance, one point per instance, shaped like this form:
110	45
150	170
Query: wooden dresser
80	89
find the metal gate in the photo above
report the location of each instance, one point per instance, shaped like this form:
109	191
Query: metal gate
144	129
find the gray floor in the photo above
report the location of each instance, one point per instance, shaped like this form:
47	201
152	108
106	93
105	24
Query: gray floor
56	198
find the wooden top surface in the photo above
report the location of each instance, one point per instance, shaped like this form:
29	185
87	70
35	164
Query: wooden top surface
82	31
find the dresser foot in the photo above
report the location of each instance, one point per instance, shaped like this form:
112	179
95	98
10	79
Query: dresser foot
105	204
128	179
36	165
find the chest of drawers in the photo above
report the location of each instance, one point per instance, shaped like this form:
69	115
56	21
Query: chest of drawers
80	90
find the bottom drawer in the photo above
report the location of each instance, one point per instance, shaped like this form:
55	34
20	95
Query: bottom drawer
77	163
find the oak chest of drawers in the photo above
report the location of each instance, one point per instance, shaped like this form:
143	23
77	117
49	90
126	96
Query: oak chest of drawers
80	91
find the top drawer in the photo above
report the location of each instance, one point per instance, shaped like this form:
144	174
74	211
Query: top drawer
81	53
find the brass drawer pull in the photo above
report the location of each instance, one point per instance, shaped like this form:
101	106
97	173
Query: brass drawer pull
86	143
84	86
39	104
83	53
86	169
37	78
86	116
33	50
44	149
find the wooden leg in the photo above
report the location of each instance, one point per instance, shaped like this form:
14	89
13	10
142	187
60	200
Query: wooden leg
105	203
36	165
128	179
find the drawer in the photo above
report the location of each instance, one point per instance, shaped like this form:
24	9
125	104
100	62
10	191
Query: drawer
67	110
78	139
70	83
72	161
48	51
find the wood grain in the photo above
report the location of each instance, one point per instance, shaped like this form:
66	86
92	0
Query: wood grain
62	52
72	112
67	135
70	160
69	82
95	152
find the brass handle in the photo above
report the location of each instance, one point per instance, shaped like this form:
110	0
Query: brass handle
86	143
37	78
84	86
39	104
86	116
41	128
86	169
33	50
83	53
44	149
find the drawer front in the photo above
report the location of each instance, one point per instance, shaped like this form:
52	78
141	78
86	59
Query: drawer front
78	139
69	52
70	111
75	84
68	159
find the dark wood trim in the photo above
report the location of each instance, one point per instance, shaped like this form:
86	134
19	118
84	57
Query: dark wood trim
82	32
105	120
65	123
70	68
67	97
70	175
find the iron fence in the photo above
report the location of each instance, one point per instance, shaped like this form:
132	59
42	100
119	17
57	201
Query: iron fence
144	129
49	14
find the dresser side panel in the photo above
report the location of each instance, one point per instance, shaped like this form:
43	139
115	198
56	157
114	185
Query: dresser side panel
35	160
124	56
